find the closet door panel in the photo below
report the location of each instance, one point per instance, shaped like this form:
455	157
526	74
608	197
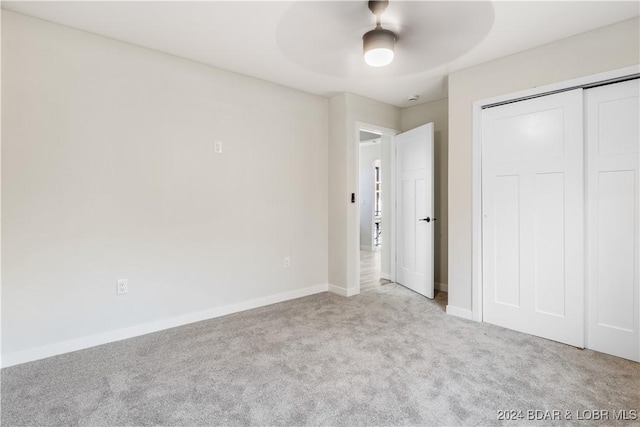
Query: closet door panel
612	115
533	211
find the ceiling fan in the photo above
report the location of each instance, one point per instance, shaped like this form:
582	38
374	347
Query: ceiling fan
410	37
378	44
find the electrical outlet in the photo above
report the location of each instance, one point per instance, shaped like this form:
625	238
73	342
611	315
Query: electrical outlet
122	286
217	147
287	262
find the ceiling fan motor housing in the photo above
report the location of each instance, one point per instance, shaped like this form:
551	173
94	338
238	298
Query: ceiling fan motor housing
378	44
379	38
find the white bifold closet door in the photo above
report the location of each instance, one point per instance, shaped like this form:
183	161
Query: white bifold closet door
533	216
613	185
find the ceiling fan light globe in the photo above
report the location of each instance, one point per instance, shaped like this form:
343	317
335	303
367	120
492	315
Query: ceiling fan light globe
378	57
378	45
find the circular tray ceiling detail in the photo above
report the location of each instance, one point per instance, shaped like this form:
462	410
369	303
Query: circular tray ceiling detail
326	36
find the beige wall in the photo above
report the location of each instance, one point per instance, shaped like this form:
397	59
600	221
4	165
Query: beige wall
108	172
338	191
607	48
438	113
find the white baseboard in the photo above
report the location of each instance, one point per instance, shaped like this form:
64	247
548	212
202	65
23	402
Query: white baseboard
366	248
460	312
147	328
443	287
386	276
345	292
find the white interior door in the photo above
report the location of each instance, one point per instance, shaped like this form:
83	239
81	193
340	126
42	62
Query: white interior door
613	183
533	210
414	197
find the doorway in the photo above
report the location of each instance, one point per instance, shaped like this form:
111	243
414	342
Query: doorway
373	233
395	184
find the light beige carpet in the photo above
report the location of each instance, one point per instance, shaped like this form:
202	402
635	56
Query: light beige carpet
384	357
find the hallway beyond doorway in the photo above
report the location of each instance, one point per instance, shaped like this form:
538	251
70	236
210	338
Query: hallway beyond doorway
370	270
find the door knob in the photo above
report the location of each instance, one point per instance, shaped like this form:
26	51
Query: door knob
427	219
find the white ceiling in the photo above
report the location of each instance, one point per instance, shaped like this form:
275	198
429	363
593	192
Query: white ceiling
316	46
